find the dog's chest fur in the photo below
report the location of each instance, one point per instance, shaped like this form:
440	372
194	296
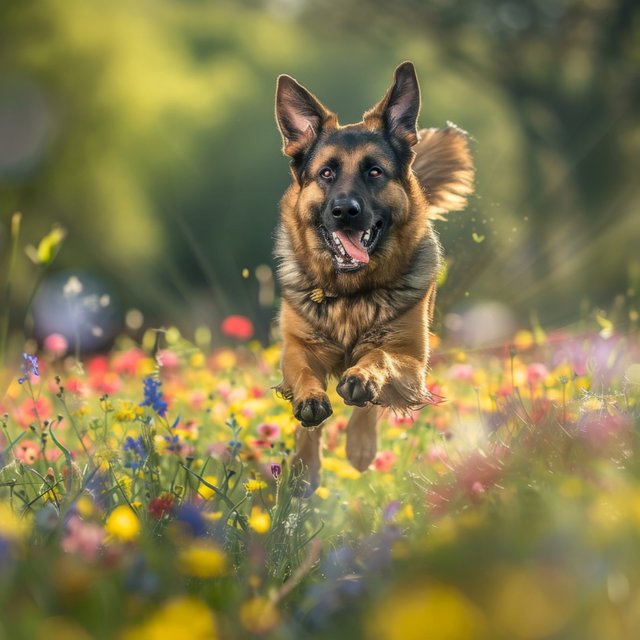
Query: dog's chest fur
357	318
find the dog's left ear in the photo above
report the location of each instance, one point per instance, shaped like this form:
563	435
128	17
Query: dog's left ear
397	112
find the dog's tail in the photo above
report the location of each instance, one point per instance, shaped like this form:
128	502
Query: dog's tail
444	167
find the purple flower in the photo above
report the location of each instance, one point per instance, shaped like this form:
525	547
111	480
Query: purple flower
29	367
276	470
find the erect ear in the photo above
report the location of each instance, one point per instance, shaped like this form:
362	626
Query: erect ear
300	116
444	167
398	111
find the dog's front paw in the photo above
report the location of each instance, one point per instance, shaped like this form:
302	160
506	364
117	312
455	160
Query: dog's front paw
313	411
356	390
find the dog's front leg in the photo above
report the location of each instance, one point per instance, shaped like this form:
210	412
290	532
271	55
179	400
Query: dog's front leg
392	372
305	366
304	383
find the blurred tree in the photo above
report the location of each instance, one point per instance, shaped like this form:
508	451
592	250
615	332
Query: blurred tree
569	71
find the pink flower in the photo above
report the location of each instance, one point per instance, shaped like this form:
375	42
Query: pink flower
437	453
83	538
168	359
384	461
461	372
268	431
536	372
56	344
27	452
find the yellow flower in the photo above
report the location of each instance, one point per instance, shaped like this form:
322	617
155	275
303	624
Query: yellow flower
523	340
322	492
259	520
207	492
254	485
185	617
123	524
127	411
341	468
12	527
124	482
202	559
414	612
197	359
85	506
259	615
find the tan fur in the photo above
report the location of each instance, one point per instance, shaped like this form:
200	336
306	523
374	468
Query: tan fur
443	165
369	328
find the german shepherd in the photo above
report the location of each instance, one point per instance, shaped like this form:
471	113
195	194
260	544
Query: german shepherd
358	258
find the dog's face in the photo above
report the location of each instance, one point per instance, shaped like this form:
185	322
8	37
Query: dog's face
355	191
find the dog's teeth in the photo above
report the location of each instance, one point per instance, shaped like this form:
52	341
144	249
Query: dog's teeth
366	235
341	249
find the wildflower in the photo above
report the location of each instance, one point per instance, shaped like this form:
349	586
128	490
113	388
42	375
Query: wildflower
259	520
205	491
127	412
237	327
536	372
276	470
27	452
137	450
202	559
168	359
56	344
402	614
254	485
184	617
461	372
83	538
268	431
191	518
259	615
384	461
153	396
30	367
160	506
12	527
123	524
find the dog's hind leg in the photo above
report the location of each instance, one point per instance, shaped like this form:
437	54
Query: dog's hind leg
305	465
362	436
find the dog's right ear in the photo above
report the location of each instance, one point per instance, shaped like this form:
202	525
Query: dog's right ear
300	116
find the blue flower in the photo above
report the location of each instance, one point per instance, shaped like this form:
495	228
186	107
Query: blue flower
29	367
137	450
173	443
153	396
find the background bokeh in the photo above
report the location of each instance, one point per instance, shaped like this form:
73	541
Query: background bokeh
146	129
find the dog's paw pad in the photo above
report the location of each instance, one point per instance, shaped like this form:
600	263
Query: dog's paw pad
313	411
355	391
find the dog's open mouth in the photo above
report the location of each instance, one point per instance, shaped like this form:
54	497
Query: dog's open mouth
351	249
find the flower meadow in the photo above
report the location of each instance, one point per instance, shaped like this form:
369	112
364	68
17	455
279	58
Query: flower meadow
145	493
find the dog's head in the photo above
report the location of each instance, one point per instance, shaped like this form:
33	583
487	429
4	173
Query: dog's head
358	204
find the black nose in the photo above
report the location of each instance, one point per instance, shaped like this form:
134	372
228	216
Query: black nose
345	208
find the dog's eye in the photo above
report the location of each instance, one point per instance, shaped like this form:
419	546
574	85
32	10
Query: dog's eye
375	172
326	173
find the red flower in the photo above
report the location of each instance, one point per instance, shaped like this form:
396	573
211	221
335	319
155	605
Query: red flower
161	505
237	327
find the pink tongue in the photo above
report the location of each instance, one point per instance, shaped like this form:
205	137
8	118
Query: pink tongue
351	242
